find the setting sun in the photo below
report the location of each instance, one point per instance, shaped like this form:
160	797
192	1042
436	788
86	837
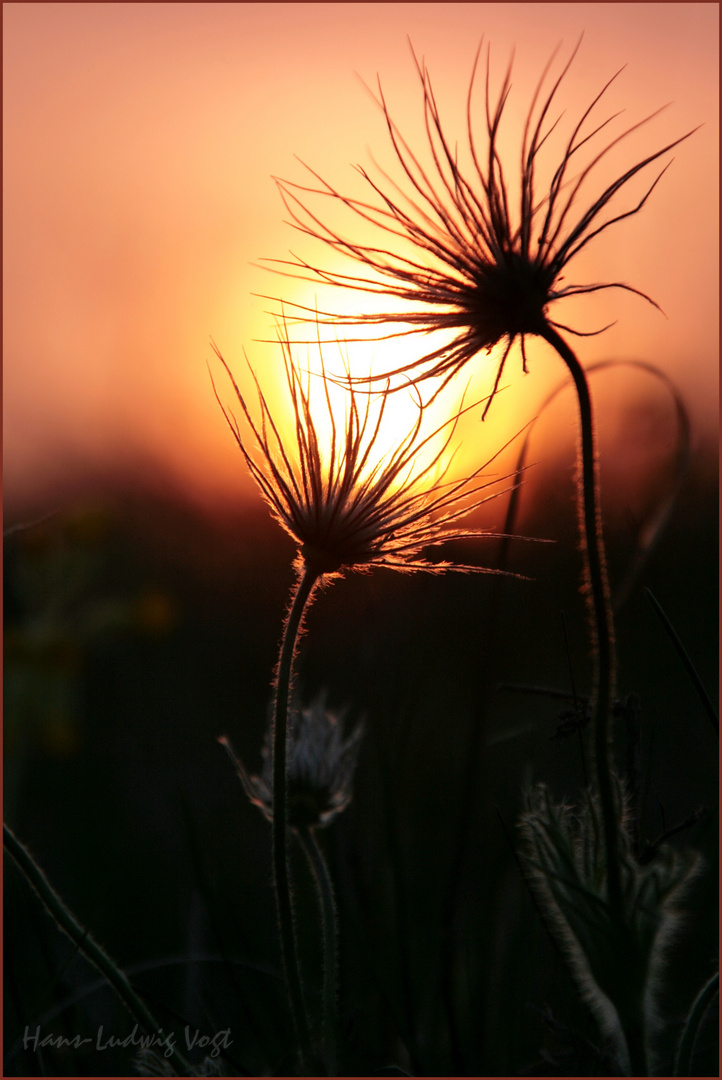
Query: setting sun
361	467
141	219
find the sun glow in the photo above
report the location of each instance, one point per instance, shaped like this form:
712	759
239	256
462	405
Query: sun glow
139	206
333	358
333	376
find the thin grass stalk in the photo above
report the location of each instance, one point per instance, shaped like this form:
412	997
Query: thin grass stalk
703	1001
600	613
240	989
652	530
86	944
469	781
281	875
686	660
329	920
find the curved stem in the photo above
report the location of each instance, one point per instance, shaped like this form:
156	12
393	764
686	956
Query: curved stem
600	613
685	1050
686	660
319	868
281	877
83	940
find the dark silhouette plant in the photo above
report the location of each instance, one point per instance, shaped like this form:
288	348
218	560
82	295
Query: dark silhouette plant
468	265
348	507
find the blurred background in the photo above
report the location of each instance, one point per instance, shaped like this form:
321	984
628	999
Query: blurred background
145	584
140	142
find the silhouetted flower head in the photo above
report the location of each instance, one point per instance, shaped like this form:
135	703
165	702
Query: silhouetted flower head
452	245
345	503
612	961
321	762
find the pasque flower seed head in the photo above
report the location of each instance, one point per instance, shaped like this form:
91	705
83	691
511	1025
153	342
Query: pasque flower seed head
450	243
346	504
320	764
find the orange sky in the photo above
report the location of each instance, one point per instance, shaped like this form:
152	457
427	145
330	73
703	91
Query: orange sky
140	140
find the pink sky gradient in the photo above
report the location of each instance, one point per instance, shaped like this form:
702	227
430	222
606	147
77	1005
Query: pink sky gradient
140	141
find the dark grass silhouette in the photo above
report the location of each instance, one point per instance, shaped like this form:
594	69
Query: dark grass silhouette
451	247
144	830
435	891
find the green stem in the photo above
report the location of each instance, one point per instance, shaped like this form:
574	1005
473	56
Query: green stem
281	876
600	613
86	944
319	868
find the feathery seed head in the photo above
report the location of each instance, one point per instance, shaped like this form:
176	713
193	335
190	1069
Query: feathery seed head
452	247
616	963
345	503
321	763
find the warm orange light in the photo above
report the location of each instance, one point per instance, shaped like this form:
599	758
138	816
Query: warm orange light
389	418
140	141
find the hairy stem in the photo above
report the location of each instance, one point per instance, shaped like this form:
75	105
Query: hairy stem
600	613
327	903
281	876
83	940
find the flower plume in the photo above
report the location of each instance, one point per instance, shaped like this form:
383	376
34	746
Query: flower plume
321	764
345	503
618	963
451	245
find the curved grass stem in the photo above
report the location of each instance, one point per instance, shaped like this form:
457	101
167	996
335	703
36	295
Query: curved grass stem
600	613
686	660
86	944
281	876
685	1050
